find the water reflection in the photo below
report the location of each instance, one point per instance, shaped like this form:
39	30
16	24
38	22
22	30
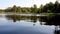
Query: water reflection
46	20
29	25
53	19
18	18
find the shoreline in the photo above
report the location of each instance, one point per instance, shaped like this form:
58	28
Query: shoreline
27	13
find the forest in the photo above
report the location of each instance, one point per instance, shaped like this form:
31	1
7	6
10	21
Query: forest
47	8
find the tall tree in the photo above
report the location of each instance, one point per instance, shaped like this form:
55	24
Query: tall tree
14	8
56	6
41	8
35	8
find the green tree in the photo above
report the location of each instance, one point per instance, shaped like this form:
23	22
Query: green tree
14	8
35	8
8	9
49	6
56	7
19	9
41	8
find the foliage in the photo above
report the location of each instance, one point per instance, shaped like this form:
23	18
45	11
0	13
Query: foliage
48	8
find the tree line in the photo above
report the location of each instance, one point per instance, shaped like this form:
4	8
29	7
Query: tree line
48	8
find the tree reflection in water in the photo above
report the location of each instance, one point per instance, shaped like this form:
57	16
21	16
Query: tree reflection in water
53	19
18	18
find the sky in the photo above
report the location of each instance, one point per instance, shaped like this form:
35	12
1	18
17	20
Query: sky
23	3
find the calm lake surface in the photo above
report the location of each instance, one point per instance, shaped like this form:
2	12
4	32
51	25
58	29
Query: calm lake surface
17	24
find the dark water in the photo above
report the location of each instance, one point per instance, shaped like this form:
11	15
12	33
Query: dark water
17	24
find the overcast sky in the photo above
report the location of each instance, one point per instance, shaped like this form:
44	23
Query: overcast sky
23	3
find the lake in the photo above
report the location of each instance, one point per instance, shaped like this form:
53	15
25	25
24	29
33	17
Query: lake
18	24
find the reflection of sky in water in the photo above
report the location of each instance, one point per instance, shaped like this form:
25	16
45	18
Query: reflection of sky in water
23	27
